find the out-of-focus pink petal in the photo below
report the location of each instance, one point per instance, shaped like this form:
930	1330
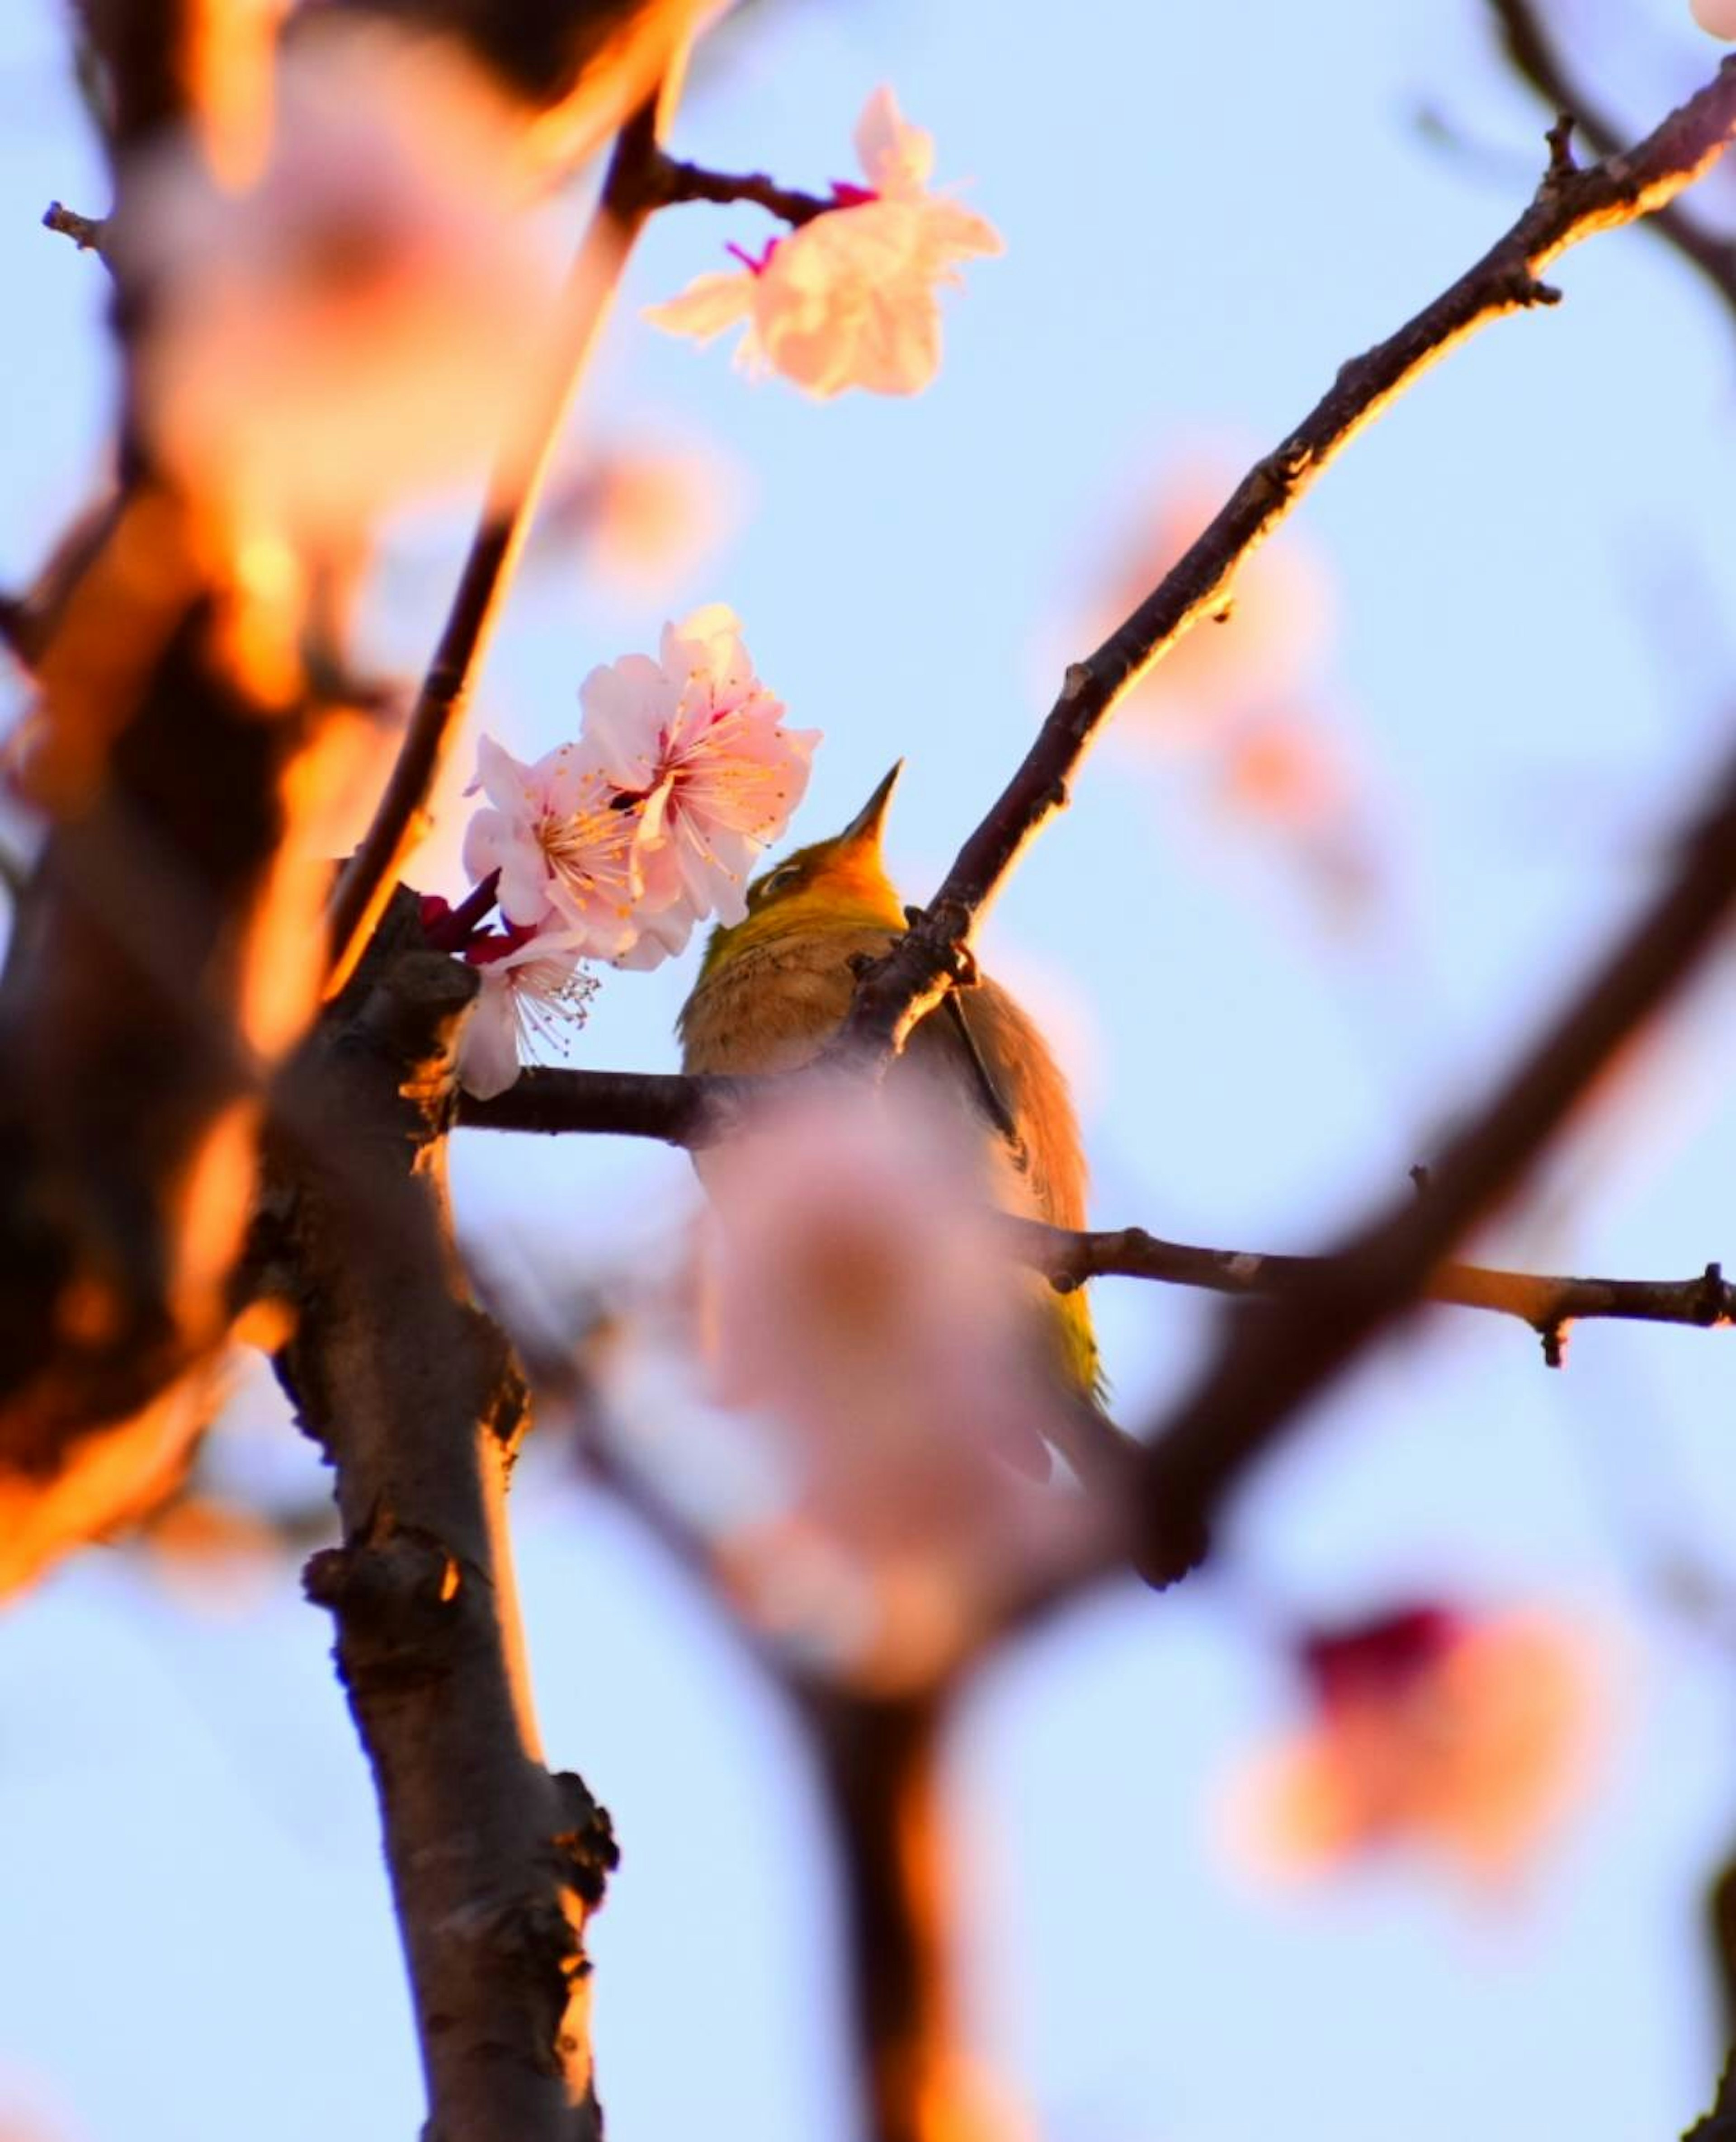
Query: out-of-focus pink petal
349	328
868	1311
896	158
1464	1735
706	308
848	299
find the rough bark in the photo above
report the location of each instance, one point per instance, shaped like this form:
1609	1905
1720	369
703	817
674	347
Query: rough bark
412	1391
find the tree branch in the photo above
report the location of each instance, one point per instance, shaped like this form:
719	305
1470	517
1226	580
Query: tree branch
696	1112
677	182
893	994
496	1864
1533	54
1260	1379
627	199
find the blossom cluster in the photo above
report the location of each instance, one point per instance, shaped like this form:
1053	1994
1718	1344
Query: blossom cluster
848	299
613	845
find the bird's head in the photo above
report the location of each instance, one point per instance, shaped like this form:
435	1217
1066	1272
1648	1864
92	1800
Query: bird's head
841	881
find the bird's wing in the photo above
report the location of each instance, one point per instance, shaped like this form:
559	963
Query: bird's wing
1002	1058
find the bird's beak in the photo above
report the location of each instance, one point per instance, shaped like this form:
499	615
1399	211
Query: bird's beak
863	830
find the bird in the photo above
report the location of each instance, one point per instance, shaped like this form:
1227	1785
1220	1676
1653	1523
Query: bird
772	989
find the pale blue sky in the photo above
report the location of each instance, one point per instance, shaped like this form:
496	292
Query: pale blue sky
1206	210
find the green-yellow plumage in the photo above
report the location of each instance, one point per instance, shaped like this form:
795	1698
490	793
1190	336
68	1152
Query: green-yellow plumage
774	987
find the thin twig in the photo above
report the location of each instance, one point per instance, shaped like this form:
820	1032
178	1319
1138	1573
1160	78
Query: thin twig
1544	1301
627	199
1533	54
86	232
893	994
675	182
696	1111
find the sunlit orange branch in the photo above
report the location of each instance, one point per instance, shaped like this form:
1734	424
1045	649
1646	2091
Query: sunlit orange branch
1526	36
894	992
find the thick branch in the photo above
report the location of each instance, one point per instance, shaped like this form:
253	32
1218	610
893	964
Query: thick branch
1260	1379
893	995
877	1758
1532	52
495	1865
627	199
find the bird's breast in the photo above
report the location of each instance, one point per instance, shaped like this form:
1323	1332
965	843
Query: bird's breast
772	1006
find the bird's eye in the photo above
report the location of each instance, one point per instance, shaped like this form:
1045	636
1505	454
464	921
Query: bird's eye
785	875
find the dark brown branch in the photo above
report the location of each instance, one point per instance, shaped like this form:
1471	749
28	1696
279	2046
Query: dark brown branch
1532	52
86	232
628	197
496	1864
1260	1379
679	1110
893	994
677	182
696	1112
1545	1302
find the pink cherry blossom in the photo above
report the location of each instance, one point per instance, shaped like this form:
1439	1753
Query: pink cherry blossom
349	327
700	737
848	299
1464	1734
566	843
1717	17
868	1312
534	989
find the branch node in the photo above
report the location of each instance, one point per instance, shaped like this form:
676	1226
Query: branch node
86	232
586	1841
1555	1344
1712	1298
1562	163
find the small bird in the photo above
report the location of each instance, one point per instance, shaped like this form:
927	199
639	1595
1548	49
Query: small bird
774	987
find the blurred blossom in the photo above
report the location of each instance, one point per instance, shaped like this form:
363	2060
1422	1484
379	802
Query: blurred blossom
849	298
643	515
1238	702
1466	1736
1718	17
214	1554
1270	646
1278	772
868	1313
534	989
351	326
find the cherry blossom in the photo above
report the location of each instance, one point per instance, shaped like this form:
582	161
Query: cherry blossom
868	1313
567	845
848	299
1717	17
702	739
349	327
534	989
1465	1734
